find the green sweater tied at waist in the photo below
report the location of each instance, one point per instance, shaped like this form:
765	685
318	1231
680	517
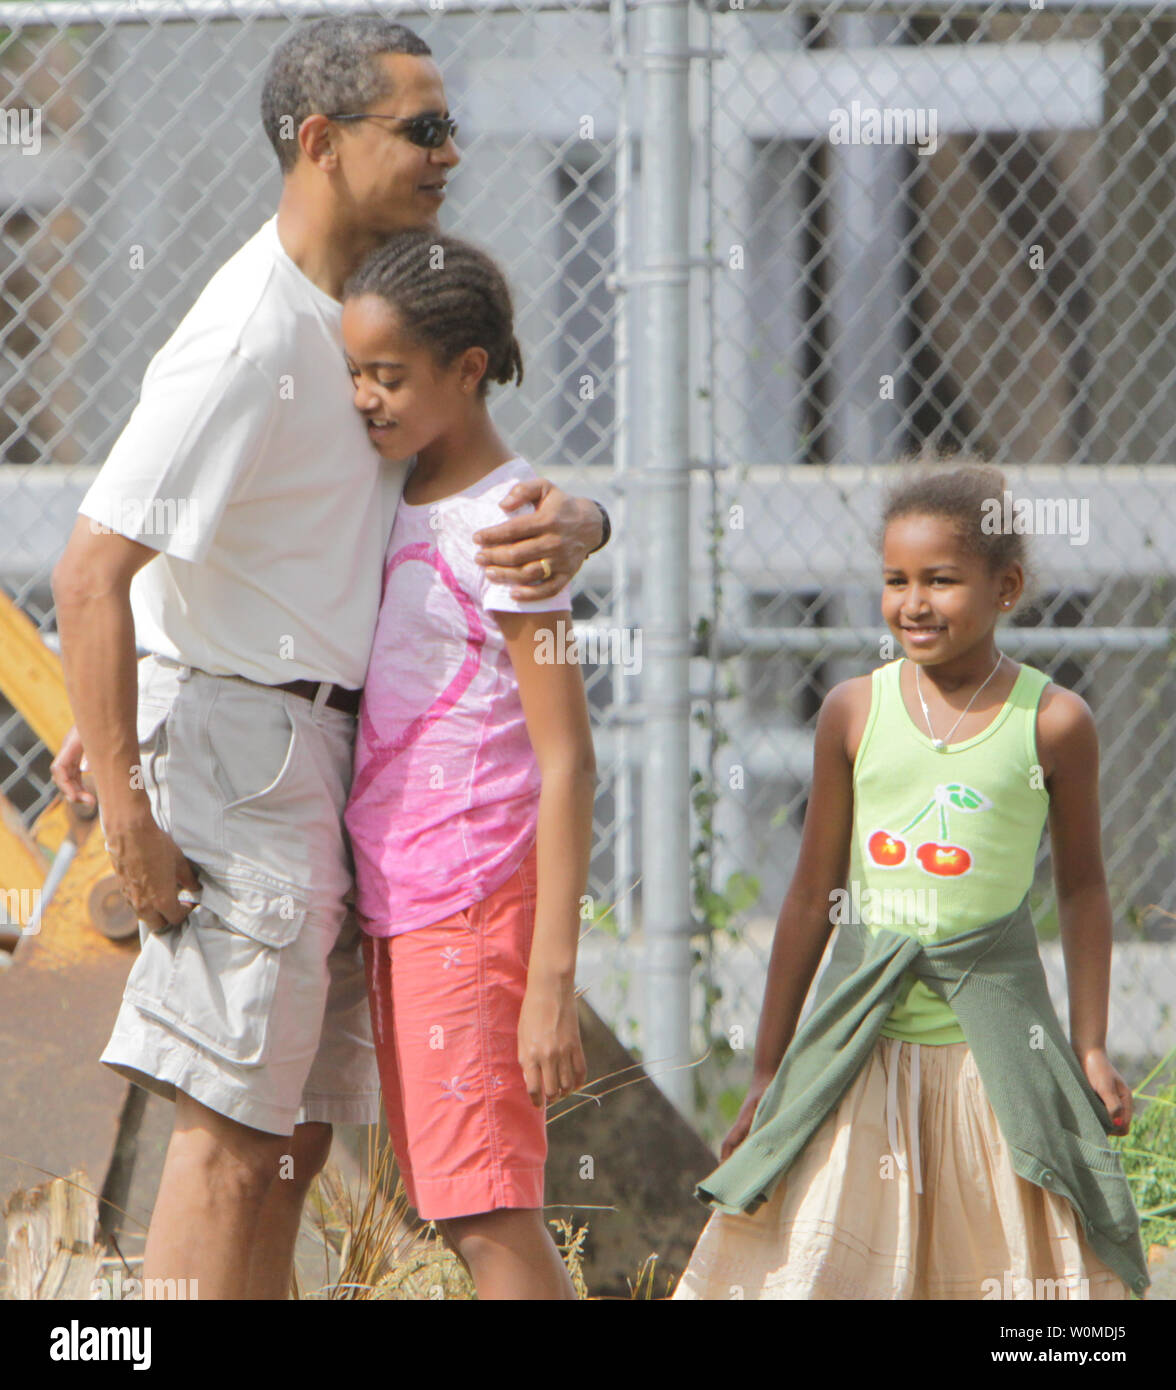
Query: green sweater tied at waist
1050	1116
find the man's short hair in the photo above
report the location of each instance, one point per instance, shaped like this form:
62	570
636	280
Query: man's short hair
328	67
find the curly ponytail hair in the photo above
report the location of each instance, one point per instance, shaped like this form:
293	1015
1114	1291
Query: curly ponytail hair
449	296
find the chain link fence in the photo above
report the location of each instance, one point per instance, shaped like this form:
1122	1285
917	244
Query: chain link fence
141	166
936	227
862	229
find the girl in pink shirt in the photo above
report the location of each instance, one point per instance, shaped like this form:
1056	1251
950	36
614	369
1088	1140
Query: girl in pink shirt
470	812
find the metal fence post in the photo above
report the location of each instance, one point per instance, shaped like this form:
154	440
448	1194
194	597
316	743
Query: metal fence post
665	190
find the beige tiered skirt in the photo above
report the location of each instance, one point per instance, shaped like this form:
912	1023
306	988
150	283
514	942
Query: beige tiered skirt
905	1191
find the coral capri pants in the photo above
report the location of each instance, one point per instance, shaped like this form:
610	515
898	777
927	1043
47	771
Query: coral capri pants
445	1002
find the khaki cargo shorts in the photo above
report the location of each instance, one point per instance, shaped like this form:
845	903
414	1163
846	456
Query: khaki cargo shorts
257	1005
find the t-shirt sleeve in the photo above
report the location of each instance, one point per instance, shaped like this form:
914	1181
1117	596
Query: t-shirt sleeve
496	598
192	438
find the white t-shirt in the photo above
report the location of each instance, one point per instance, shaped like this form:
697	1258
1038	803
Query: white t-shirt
246	465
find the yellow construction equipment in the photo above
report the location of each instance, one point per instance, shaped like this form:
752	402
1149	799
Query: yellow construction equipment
56	875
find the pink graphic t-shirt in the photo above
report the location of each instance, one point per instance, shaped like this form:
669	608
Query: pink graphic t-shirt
445	795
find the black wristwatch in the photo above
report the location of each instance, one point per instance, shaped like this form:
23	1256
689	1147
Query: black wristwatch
607	531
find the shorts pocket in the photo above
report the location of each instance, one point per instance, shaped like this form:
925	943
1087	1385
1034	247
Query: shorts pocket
151	728
262	908
157	691
212	979
253	743
149	716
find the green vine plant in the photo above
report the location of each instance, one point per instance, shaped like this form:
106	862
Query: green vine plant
1148	1155
718	911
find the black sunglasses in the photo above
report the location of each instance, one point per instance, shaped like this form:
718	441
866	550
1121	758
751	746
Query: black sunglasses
430	132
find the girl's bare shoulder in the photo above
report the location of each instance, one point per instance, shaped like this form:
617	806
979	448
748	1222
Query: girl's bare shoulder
1066	732
845	711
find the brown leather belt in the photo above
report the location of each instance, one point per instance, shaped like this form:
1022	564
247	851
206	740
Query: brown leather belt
339	698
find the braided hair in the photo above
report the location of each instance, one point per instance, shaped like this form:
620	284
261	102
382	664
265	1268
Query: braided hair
449	295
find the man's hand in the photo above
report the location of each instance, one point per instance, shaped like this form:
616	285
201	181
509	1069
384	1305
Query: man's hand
151	869
561	530
66	770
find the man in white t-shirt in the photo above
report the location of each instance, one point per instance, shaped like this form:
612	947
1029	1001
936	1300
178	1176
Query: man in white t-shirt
237	529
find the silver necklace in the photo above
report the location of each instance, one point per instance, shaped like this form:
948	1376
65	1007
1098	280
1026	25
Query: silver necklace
941	743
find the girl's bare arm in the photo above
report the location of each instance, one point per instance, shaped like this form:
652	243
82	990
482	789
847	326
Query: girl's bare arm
1068	746
803	927
556	710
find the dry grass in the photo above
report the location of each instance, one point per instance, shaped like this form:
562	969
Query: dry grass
645	1285
373	1248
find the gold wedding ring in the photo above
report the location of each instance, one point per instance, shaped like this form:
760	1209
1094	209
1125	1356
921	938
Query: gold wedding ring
546	568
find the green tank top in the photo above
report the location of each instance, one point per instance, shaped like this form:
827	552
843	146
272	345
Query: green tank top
943	840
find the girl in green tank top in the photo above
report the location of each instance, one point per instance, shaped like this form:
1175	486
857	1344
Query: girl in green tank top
933	779
944	839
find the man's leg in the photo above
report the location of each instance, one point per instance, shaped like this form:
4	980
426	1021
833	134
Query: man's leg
303	1158
216	1177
